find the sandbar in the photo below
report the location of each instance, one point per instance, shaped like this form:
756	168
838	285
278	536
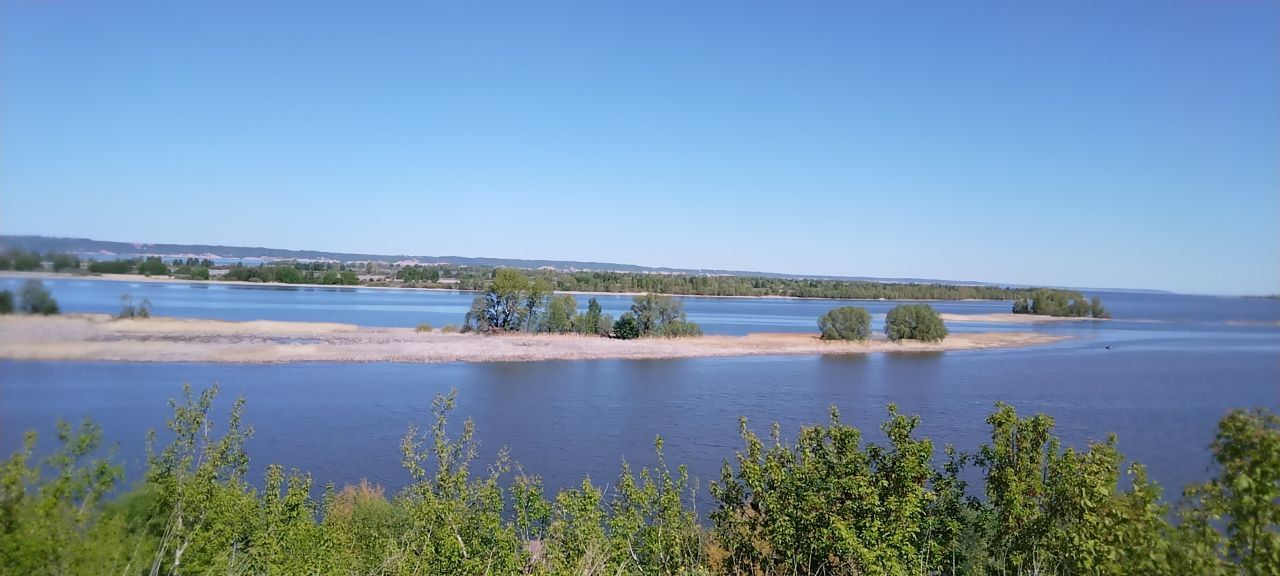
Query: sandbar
89	337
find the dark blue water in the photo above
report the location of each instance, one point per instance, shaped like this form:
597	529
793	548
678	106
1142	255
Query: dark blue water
1176	365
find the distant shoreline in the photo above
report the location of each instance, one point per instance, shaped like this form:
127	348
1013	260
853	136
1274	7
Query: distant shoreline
98	337
171	280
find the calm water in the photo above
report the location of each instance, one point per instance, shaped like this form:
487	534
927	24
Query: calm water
1176	365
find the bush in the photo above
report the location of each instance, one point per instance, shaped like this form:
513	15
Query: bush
129	310
64	262
153	266
424	327
914	322
845	323
23	261
449	329
6	302
111	267
832	502
626	328
37	300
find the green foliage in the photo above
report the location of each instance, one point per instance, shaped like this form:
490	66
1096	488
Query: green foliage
509	304
449	329
36	299
193	272
6	302
661	315
64	262
129	310
1063	303
733	285
594	321
562	314
627	327
21	260
153	266
111	267
424	327
829	503
1245	494
416	274
845	323
914	322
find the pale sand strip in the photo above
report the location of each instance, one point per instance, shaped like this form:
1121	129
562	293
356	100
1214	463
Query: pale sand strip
98	337
1011	318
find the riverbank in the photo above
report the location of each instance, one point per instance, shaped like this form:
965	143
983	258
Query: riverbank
85	337
138	278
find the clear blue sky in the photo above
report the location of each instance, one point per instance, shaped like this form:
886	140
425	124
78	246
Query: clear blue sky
1125	144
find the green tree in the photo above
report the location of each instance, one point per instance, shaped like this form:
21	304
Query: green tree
153	266
1021	306
590	323
63	262
845	323
562	314
506	305
6	302
111	267
914	322
627	327
1244	496
36	299
24	261
660	315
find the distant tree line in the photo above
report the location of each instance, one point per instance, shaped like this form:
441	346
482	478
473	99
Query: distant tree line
831	502
24	261
302	273
1062	303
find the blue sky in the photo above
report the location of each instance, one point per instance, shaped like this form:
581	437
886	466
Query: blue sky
1105	144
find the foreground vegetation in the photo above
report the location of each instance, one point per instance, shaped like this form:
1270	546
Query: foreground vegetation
828	504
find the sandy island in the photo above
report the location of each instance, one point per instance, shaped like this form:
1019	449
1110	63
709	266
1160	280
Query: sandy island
99	337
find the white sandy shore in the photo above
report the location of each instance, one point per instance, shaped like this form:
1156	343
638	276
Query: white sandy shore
99	337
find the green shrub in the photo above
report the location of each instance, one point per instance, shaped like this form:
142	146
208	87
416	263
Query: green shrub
424	327
6	302
845	323
111	267
830	503
36	299
153	266
449	329
914	322
626	328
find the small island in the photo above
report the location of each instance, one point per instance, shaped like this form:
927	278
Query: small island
1060	304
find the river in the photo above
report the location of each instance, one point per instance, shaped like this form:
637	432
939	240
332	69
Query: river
1176	364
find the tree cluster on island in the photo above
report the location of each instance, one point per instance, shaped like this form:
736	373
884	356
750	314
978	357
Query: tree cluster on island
1060	303
830	502
918	322
514	302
